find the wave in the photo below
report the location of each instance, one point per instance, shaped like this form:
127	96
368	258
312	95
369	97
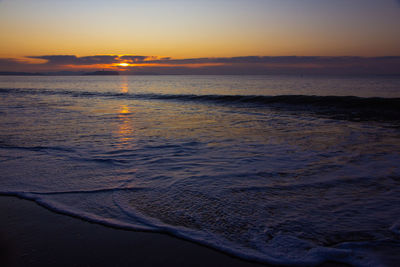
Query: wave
36	148
338	107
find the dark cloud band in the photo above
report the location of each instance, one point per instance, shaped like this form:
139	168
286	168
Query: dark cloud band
217	65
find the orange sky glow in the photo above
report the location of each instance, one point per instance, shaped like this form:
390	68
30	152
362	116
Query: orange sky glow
33	31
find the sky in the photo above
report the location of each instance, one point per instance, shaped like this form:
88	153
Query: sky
167	33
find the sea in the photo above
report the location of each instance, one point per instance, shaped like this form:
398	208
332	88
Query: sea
287	170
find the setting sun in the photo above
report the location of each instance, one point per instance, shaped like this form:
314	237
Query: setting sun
123	64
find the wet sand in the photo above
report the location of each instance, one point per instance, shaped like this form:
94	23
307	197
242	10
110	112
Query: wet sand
31	235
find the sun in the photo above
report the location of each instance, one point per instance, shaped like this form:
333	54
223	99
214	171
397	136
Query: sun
123	64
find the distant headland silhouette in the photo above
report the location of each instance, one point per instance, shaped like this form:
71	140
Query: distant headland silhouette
102	72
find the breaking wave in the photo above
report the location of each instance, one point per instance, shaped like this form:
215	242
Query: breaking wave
339	107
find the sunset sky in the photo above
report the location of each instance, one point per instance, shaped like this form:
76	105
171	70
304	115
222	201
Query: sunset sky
163	30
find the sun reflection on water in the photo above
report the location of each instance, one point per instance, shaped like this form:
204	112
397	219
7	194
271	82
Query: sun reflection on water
125	128
124	109
124	85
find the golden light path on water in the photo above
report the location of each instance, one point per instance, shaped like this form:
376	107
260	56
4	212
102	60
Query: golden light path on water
125	128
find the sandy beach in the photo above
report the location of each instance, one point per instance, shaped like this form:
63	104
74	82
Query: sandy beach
31	235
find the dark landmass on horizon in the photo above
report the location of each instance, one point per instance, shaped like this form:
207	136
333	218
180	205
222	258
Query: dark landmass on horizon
102	73
17	73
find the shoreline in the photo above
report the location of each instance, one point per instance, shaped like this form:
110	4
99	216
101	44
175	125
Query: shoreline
32	235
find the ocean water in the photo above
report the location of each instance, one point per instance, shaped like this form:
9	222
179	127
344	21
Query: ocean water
277	169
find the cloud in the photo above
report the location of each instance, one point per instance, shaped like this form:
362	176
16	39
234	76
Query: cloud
137	59
75	60
281	65
12	64
134	58
280	60
254	60
91	60
216	65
